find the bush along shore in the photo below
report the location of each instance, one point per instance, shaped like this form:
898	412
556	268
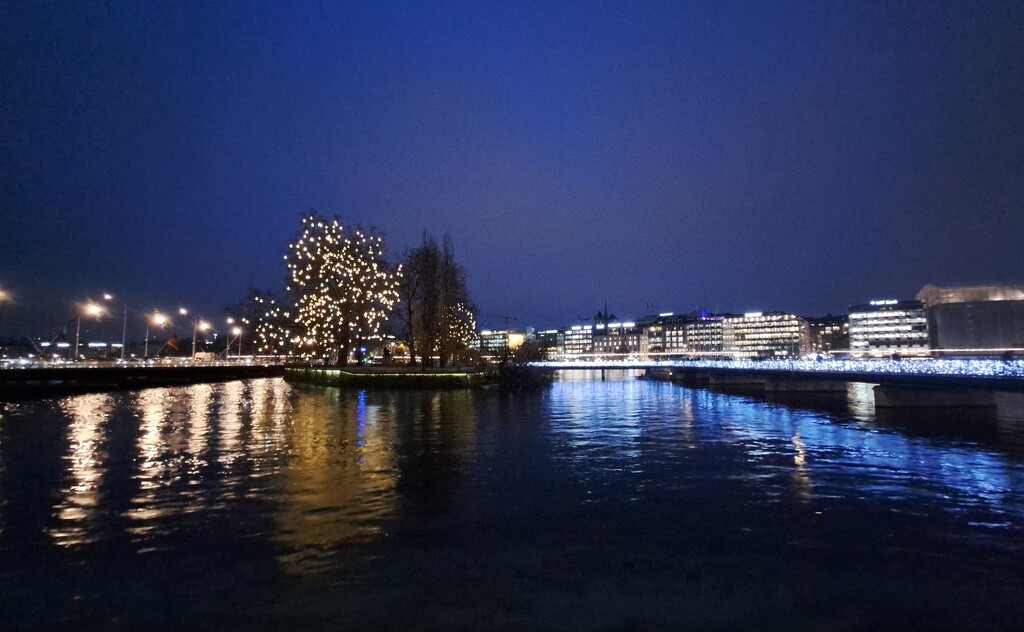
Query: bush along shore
509	375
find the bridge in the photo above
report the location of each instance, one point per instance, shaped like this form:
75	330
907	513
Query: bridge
899	383
47	381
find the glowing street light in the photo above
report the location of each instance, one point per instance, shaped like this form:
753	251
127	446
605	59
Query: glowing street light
197	326
158	319
4	297
237	331
124	322
92	310
227	342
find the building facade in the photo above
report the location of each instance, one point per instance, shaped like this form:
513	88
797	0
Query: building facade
888	328
975	320
705	336
765	335
829	333
616	340
551	343
579	341
498	343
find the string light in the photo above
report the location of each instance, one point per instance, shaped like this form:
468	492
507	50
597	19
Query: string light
975	367
342	285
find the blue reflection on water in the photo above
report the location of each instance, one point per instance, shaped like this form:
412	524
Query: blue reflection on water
610	425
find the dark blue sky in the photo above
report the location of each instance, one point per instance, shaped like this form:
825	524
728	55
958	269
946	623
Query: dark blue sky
799	156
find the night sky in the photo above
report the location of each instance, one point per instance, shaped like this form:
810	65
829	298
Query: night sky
798	156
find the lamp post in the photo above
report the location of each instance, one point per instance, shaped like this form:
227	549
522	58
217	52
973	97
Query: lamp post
157	319
124	322
227	342
197	325
237	331
91	309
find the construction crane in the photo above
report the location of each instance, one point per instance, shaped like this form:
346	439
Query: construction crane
504	318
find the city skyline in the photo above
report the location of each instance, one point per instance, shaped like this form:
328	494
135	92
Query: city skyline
730	157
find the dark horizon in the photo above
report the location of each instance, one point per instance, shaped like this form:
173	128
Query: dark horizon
722	156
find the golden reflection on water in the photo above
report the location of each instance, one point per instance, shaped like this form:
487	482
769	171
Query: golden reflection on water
269	406
154	470
76	510
322	466
199	396
340	480
230	443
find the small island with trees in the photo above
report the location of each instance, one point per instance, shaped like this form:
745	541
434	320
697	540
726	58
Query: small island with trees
349	316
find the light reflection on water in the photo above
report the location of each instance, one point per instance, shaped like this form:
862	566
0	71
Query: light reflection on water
80	499
271	483
339	481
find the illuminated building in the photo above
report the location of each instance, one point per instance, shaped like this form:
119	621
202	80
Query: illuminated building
982	319
618	339
889	327
579	340
704	336
551	343
829	333
665	332
496	343
770	335
683	335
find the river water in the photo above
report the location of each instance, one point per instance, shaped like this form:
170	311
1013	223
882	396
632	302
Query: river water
591	505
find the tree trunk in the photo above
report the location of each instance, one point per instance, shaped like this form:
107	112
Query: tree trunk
344	345
412	335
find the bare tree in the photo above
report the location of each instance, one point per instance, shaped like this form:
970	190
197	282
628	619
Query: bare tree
437	311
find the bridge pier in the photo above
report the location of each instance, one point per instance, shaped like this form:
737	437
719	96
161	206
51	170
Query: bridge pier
691	378
925	397
800	385
724	379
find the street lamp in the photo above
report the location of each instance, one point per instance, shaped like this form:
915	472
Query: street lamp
93	311
227	338
158	319
197	326
5	297
124	322
237	331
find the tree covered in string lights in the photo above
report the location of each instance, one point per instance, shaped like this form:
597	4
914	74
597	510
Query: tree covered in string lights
341	285
458	328
267	324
